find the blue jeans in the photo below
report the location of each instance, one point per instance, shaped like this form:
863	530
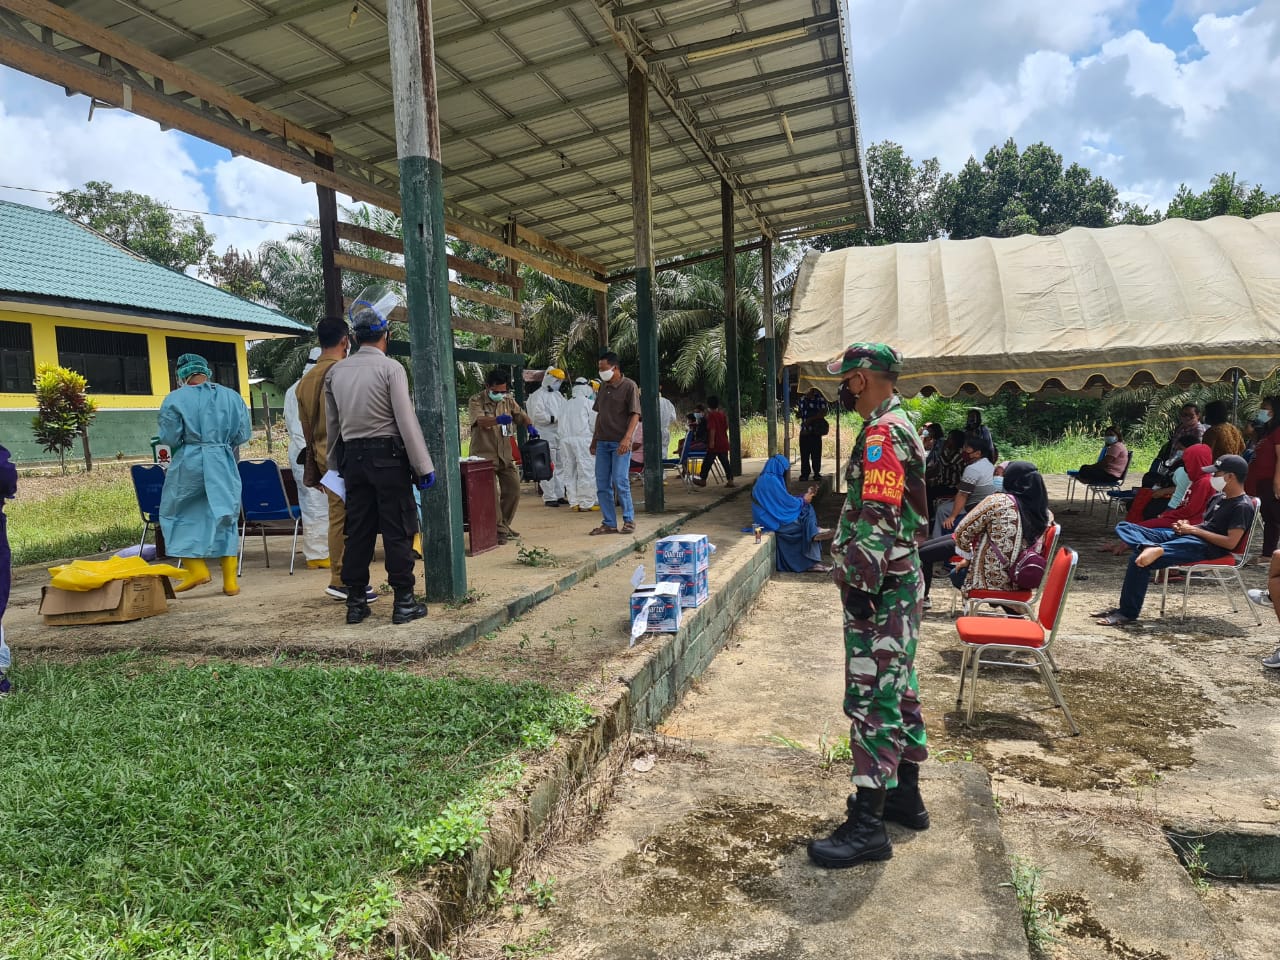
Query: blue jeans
1177	551
611	475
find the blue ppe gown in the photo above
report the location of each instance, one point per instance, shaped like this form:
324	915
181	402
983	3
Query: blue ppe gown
200	505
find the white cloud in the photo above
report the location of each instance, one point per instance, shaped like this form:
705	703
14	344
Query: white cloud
247	188
1086	77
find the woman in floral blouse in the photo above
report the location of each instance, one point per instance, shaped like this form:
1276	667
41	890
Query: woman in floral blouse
1009	520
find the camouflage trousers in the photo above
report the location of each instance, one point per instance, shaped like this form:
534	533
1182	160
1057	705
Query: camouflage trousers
882	695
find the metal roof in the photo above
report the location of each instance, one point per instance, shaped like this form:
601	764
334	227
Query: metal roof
533	103
51	258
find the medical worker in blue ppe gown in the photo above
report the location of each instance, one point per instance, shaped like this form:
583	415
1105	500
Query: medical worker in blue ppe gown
203	423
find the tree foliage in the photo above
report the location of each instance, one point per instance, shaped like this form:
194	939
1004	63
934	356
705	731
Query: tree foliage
1227	196
64	409
134	220
235	272
905	197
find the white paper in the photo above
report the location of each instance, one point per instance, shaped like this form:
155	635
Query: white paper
640	623
637	578
332	480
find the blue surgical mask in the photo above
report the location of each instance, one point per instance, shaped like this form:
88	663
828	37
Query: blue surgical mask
497	397
997	483
1181	484
1262	416
1111	438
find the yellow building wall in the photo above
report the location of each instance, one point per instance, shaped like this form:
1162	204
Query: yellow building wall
45	348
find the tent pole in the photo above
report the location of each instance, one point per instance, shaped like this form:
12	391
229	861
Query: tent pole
1235	395
835	473
786	415
646	319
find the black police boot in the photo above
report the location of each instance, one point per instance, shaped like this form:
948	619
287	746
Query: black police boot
357	604
860	838
903	804
406	606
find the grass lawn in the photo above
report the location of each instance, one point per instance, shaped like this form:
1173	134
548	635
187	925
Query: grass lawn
224	811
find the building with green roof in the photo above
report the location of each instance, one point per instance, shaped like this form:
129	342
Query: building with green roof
72	297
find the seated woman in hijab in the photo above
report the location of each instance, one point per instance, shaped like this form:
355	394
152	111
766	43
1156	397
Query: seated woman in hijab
1008	521
790	518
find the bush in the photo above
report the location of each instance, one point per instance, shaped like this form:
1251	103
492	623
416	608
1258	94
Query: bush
64	410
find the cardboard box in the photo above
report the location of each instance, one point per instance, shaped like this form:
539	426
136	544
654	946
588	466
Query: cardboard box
664	613
685	553
695	588
115	602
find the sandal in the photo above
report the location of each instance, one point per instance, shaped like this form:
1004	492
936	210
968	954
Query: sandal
1116	619
628	527
819	568
602	530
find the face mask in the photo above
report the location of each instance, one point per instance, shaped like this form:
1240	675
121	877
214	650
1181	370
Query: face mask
497	397
1110	438
848	399
606	375
997	483
1262	416
1219	483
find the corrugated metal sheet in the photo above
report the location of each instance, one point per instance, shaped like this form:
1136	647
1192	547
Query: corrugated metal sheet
533	103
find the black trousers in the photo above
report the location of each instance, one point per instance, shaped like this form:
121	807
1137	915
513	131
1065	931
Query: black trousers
709	458
379	501
937	550
810	456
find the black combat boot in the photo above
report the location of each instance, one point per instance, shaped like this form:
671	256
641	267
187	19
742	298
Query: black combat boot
860	838
903	804
357	604
406	606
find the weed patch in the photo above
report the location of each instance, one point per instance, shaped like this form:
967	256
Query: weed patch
230	812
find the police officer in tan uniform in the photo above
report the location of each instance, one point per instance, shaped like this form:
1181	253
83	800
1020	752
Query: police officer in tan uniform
494	416
376	443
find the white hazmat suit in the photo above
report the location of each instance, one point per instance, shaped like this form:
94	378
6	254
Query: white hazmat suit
576	427
314	503
546	409
666	418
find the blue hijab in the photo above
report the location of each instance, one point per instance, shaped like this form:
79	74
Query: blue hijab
771	505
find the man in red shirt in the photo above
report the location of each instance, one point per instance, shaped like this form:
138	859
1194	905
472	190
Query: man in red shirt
717	425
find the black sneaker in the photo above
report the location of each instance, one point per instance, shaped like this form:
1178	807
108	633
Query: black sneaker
5	685
1272	662
340	593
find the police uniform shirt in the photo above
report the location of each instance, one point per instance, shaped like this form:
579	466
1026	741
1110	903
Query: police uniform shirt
367	396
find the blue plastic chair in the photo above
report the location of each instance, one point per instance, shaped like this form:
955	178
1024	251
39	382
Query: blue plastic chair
148	483
263	500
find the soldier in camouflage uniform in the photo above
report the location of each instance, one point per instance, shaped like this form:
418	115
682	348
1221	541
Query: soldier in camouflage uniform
877	568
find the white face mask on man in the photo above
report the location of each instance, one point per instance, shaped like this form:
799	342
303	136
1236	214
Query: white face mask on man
1218	483
607	374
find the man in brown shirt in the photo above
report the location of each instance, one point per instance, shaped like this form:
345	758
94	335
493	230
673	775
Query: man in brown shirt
335	342
494	415
617	413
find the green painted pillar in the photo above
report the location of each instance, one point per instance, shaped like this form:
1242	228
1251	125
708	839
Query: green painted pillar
770	345
646	320
732	400
413	82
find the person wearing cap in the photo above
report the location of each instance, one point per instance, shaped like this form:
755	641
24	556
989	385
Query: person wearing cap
494	416
335	343
1227	520
876	564
311	501
576	427
203	423
375	442
546	410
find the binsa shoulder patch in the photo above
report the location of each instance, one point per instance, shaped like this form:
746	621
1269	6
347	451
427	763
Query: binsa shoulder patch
883	477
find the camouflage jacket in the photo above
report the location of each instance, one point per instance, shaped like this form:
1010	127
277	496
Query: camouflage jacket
885	515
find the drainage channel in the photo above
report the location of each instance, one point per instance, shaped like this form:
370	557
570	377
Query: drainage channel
1236	854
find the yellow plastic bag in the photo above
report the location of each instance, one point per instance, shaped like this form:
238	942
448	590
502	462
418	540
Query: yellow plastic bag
84	575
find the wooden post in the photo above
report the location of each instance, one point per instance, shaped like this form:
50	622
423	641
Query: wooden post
88	454
327	199
770	346
266	418
646	320
733	399
602	318
786	413
413	84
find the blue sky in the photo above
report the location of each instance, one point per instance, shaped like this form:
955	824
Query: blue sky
1148	93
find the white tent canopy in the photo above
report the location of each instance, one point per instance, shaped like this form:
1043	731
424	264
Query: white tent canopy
1074	311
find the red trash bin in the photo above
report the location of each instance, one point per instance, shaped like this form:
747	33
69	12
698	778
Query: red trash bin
479	505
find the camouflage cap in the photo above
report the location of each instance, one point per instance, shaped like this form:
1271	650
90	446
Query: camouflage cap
867	356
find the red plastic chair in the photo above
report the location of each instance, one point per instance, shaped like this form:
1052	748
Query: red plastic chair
1222	570
985	634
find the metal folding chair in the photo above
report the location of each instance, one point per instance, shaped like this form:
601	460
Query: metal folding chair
262	501
148	484
1224	571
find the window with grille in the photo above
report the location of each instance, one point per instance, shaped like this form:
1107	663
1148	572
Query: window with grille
17	359
221	357
112	362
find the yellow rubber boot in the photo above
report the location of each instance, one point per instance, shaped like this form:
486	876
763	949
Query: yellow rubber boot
230	585
417	545
195	572
321	564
